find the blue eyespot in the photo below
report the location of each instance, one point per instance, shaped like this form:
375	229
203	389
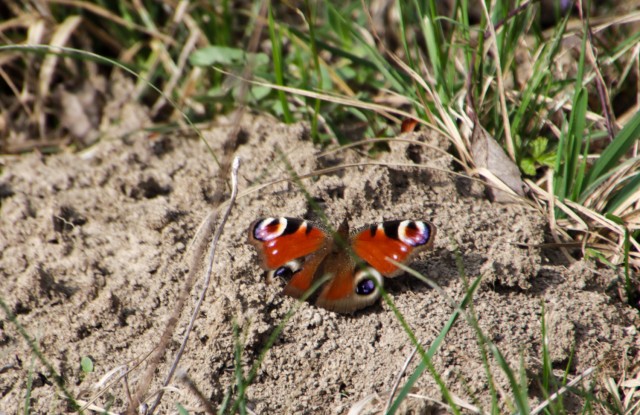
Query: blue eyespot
284	272
365	286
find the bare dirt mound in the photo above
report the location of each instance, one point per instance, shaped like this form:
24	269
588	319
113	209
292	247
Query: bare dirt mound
93	251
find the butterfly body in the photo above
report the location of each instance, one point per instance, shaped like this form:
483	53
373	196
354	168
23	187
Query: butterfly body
354	263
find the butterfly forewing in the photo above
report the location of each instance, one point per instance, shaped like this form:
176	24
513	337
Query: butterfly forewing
280	240
397	240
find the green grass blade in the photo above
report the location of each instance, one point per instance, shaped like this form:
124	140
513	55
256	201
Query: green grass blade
57	378
435	345
625	194
241	383
578	157
311	21
29	386
240	400
403	32
519	392
397	80
539	82
611	155
425	358
278	69
434	40
547	369
570	146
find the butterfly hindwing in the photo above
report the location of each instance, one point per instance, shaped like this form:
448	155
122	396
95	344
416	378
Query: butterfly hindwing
350	289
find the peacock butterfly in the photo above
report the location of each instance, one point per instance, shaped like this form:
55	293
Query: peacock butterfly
303	252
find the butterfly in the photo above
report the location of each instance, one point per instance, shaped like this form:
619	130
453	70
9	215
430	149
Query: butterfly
354	263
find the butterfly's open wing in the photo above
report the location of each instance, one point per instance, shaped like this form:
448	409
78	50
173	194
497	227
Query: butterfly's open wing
290	247
398	240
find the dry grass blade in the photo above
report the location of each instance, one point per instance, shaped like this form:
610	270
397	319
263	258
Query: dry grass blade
103	385
359	406
403	370
501	94
499	184
446	125
102	12
113	377
632	17
391	140
59	39
550	197
177	72
207	228
91	407
198	248
458	401
631	390
607	191
601	220
380	109
563	390
315	173
449	129
603	94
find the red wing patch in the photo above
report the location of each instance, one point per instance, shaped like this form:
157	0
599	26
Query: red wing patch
303	279
282	240
340	286
397	240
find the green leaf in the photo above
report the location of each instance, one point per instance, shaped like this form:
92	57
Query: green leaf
538	147
548	159
259	92
222	55
86	364
528	166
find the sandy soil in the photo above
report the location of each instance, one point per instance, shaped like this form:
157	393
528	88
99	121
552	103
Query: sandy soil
94	248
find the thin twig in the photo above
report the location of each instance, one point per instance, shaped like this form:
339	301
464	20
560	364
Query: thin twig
398	378
208	227
207	277
562	390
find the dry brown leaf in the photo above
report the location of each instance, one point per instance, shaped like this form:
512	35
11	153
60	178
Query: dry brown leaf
487	154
